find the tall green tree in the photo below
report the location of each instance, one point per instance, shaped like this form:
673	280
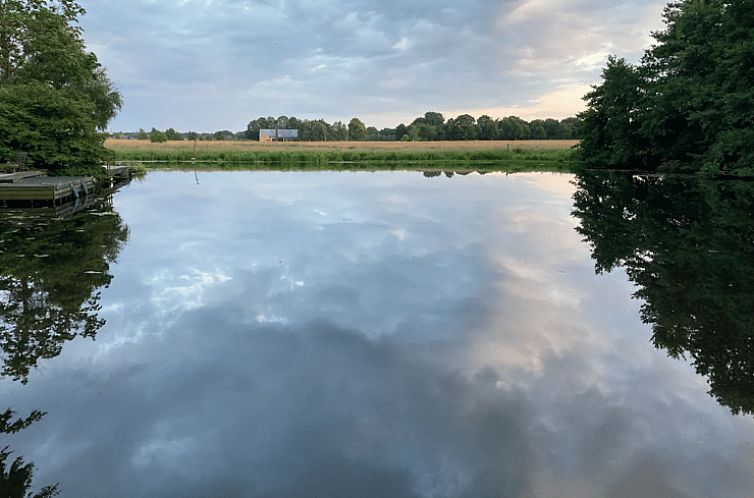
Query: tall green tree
357	130
488	129
55	97
157	136
611	124
464	127
689	103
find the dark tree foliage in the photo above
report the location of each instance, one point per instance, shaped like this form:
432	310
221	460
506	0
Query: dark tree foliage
54	95
689	104
689	247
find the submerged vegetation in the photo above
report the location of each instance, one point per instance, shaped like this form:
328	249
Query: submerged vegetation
689	105
55	97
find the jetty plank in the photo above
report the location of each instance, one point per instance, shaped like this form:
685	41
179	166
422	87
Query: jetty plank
48	189
19	176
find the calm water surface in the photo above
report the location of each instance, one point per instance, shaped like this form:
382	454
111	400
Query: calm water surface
386	335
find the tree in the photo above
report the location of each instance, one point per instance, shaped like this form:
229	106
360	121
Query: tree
464	127
400	131
357	130
339	131
435	119
552	129
570	128
171	134
537	130
142	135
488	129
688	104
514	128
55	97
612	122
157	136
423	131
223	135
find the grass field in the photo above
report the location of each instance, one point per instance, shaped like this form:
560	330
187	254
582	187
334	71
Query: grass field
551	152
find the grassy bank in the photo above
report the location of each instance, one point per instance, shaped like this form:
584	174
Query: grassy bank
558	154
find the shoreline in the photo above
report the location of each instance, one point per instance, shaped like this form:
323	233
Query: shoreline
557	153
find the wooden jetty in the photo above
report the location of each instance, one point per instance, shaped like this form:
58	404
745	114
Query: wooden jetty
36	189
49	190
119	171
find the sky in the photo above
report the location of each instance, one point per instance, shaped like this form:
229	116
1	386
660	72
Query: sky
206	65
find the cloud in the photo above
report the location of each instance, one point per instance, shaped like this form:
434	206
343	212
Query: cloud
206	65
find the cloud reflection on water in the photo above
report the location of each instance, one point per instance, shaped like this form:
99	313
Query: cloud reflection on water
476	355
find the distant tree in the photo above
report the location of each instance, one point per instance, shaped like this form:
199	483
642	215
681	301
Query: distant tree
315	131
435	119
357	130
173	135
424	132
537	130
157	136
400	131
262	123
388	134
294	123
339	131
464	127
281	123
488	128
192	136
570	128
223	135
142	135
552	129
513	128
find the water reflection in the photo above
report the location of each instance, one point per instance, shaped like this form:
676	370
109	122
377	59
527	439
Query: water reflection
689	247
285	334
15	473
52	271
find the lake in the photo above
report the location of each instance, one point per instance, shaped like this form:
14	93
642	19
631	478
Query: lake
385	334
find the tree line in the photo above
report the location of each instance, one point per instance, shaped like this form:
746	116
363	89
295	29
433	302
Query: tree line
431	126
688	105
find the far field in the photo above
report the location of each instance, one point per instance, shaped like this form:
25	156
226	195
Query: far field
555	153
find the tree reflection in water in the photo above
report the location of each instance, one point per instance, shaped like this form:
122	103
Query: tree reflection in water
688	245
51	274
